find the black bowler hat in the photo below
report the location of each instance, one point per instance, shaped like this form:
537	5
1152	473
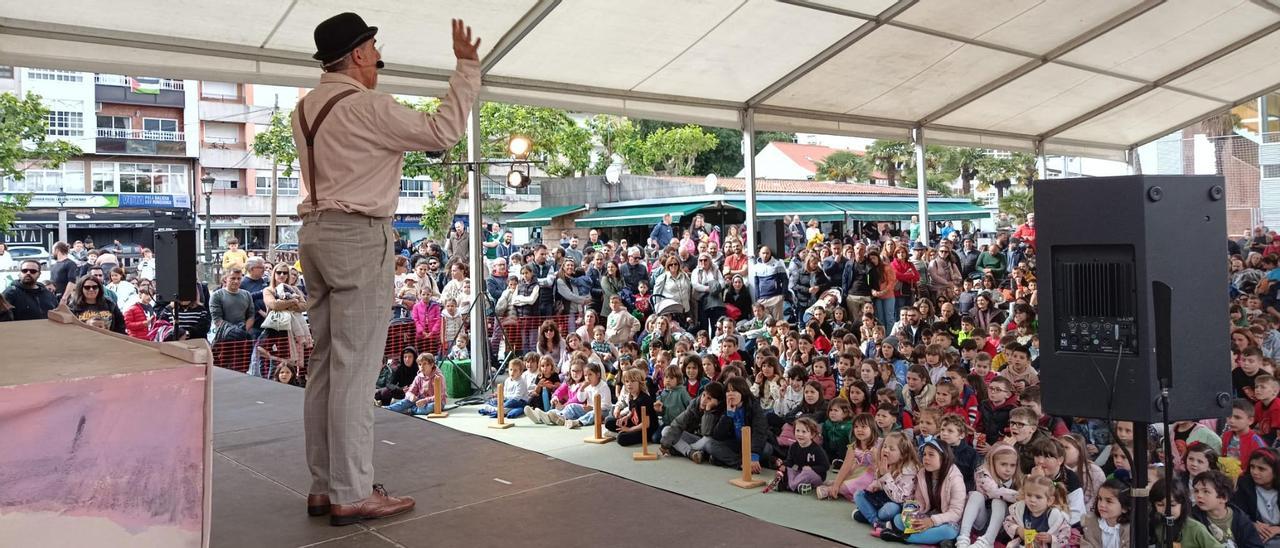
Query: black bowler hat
338	35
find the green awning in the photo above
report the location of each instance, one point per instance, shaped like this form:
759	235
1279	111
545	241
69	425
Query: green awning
637	215
902	211
543	215
770	210
861	210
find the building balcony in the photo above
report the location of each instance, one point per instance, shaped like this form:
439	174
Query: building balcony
136	141
228	157
114	88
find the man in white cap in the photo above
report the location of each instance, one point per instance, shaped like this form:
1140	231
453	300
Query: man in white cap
352	141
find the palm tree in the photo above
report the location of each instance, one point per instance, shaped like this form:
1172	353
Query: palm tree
1017	204
890	157
998	173
1219	129
965	162
844	166
1025	167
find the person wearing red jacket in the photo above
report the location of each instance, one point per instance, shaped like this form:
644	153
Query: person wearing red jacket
1240	440
139	318
1027	232
907	275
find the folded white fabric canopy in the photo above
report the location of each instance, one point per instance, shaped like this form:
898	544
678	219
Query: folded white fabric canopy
1080	77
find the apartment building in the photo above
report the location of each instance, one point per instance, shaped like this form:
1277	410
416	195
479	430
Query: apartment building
137	155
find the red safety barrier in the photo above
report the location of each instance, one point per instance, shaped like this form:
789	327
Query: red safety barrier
265	356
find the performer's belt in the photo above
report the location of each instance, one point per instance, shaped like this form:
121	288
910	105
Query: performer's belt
336	216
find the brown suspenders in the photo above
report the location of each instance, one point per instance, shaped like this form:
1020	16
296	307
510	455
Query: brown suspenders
309	133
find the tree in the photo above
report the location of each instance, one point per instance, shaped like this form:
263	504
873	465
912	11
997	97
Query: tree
939	174
726	157
24	143
890	157
617	136
1025	167
277	144
1017	204
676	149
964	161
1219	129
997	173
844	166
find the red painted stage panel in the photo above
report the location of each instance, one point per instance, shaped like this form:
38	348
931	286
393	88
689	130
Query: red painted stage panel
105	439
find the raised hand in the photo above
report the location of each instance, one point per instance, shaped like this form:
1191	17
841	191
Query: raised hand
463	48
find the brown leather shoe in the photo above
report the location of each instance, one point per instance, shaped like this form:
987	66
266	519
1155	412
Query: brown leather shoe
377	505
317	505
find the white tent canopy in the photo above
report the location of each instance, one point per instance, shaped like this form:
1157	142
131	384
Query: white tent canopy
1080	77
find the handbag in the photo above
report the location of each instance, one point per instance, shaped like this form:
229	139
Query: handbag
277	320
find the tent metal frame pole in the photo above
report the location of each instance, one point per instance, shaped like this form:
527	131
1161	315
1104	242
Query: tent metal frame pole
1042	166
749	175
922	184
479	342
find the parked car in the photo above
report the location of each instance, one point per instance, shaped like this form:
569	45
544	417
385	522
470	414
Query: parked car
30	252
129	254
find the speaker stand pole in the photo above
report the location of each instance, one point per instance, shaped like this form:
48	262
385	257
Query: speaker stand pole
1141	531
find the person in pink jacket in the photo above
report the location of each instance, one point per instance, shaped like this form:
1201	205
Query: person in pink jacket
894	485
941	497
1044	503
997	482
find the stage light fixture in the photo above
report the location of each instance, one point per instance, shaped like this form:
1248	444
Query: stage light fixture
517	179
519	146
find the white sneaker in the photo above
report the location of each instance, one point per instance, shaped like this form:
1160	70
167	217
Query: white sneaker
556	419
963	541
980	543
532	412
573	424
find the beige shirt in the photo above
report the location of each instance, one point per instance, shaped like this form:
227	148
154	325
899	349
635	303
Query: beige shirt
361	144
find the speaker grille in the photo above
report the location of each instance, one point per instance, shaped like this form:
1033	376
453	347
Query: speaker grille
1096	289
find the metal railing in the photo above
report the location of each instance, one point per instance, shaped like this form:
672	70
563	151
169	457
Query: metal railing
141	134
121	80
221	140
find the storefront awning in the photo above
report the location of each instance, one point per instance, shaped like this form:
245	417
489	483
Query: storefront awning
638	215
862	210
770	210
902	211
543	216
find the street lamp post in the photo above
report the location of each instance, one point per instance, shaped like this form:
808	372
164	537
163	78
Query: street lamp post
62	215
206	187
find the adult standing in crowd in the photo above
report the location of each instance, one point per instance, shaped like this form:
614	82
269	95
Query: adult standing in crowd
6	258
769	277
231	309
458	245
63	271
28	297
353	142
661	235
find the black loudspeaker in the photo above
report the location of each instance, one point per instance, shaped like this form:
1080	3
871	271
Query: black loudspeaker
1132	296
175	253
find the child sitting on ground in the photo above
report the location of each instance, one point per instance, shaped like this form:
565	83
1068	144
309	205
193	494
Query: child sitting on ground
1040	518
420	397
821	372
806	463
515	391
856	471
628	423
1107	526
895	482
672	399
837	429
997	483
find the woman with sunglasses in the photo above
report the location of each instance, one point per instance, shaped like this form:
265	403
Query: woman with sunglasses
91	307
280	296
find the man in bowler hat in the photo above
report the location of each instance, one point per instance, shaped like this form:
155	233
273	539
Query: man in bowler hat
352	140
